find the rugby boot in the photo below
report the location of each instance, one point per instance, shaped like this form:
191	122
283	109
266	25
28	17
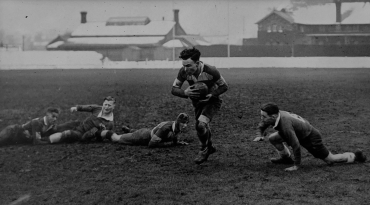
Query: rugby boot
359	156
204	154
282	160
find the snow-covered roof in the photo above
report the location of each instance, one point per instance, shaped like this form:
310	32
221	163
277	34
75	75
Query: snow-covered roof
202	43
154	28
352	13
116	40
136	20
175	43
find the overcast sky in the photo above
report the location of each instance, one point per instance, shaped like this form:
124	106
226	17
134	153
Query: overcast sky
205	17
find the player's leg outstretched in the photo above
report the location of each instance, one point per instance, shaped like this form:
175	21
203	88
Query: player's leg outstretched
347	157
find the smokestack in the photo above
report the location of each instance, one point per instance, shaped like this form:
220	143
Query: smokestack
83	16
176	15
338	7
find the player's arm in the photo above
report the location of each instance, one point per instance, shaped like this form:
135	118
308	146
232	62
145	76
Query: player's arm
36	132
162	138
261	129
219	81
157	142
176	89
222	87
177	142
85	108
294	143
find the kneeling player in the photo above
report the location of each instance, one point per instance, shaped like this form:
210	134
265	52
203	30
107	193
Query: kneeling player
36	130
99	124
296	132
164	134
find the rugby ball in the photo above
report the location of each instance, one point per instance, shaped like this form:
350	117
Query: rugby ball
202	89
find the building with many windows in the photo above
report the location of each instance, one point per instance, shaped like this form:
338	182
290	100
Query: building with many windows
329	24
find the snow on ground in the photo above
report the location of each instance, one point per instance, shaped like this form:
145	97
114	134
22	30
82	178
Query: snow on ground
86	60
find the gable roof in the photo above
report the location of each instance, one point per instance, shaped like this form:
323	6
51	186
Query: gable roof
285	15
120	21
352	13
96	29
117	40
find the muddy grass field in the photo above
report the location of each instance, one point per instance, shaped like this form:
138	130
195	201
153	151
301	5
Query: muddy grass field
336	101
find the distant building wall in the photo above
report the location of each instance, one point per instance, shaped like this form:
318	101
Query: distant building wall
285	51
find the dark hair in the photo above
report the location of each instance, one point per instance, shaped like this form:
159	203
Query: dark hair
270	108
183	118
52	109
110	98
192	53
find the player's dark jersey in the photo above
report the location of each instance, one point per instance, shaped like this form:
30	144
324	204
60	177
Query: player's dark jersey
165	131
94	120
208	74
38	125
293	129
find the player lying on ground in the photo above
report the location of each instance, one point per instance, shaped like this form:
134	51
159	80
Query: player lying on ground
296	132
193	71
98	124
163	135
36	130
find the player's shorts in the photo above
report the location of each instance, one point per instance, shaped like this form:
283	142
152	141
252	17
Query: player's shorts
13	134
314	145
70	136
206	111
70	125
139	137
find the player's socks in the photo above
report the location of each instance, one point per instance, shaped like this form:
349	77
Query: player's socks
349	156
115	138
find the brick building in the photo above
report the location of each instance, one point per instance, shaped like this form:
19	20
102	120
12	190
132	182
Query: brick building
330	24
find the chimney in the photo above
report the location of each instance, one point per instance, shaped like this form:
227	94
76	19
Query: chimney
83	16
176	15
338	13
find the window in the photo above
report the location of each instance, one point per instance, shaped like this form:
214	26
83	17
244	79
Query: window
274	28
301	29
280	29
260	27
269	29
347	40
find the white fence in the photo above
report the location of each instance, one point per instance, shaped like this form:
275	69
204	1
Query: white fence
92	60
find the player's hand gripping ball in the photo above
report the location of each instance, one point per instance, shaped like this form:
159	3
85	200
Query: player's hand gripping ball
201	89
